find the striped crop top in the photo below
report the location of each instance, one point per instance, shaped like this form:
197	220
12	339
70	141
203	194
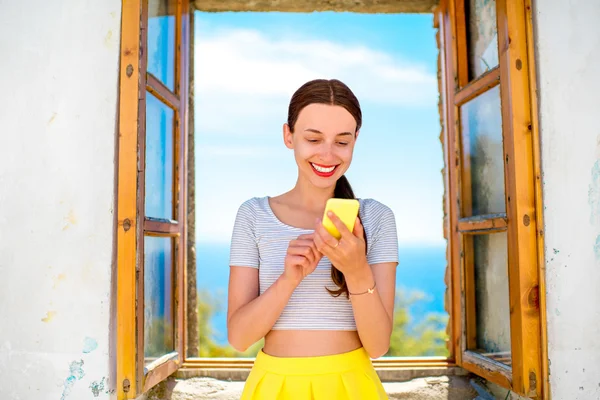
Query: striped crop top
260	240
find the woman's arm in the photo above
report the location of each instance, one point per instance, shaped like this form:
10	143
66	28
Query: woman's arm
373	312
250	316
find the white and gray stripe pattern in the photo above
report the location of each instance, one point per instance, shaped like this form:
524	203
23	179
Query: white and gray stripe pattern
260	240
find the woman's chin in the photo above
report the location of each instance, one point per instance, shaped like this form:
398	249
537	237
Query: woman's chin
324	183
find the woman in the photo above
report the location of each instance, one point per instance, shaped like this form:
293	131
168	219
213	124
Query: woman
324	306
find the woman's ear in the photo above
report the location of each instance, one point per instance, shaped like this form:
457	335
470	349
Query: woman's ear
288	138
356	136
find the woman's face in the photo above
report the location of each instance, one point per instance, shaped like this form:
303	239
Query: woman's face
323	143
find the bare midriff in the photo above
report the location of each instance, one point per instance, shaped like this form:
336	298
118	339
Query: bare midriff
306	343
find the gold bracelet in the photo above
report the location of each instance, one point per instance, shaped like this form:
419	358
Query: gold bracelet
369	291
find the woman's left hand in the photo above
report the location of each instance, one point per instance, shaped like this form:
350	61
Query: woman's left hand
348	254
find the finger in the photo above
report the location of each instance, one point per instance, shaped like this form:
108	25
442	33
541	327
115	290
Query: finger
358	230
318	254
296	260
307	243
308	240
325	236
322	247
301	262
304	251
341	227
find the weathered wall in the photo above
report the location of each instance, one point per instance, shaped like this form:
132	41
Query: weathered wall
568	61
59	79
363	6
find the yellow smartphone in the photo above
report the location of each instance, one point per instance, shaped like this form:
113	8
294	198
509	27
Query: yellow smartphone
345	209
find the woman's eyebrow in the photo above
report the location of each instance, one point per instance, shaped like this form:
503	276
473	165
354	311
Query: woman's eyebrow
318	131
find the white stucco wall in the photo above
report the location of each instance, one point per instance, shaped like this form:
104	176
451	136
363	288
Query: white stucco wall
568	63
58	104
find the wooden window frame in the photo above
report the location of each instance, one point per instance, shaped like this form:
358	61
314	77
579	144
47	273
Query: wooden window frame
133	376
132	380
515	75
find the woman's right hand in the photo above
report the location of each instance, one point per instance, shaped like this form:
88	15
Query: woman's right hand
301	259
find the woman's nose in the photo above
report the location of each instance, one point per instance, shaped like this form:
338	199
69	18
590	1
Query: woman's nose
326	152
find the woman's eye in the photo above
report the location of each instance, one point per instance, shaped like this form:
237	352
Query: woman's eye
312	140
343	143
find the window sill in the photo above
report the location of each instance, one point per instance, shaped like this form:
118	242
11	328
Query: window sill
446	387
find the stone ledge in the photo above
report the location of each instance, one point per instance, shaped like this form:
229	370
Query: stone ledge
429	388
385	374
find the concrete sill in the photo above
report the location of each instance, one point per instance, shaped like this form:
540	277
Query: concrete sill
446	387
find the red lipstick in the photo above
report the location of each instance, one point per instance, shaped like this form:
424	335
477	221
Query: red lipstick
325	173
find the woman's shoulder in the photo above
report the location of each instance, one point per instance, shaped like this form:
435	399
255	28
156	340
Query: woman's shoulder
253	207
373	212
253	203
372	206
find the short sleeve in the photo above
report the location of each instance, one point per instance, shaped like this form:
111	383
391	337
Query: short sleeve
244	247
384	238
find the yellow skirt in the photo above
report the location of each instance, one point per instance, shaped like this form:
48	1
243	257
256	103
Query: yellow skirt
347	376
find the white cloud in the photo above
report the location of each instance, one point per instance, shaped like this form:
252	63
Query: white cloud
244	79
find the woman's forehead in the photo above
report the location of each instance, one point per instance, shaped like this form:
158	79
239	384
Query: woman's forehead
325	118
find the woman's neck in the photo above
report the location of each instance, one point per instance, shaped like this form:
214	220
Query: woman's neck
309	197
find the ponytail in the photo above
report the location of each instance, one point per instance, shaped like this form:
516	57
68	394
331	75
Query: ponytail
343	190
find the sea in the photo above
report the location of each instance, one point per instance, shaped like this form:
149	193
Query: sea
421	270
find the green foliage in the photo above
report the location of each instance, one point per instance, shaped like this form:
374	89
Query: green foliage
208	305
427	337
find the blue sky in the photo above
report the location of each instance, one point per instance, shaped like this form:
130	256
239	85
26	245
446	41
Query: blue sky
249	64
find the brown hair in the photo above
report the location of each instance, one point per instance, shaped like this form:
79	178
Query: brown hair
336	93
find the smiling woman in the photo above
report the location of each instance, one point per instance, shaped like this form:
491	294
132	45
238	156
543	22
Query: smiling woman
323	305
291	282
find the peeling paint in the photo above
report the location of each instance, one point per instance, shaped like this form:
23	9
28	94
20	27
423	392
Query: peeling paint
97	387
49	316
89	345
597	248
76	371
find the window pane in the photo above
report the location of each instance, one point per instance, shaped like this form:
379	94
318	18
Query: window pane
158	297
159	158
482	36
481	123
491	296
161	41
